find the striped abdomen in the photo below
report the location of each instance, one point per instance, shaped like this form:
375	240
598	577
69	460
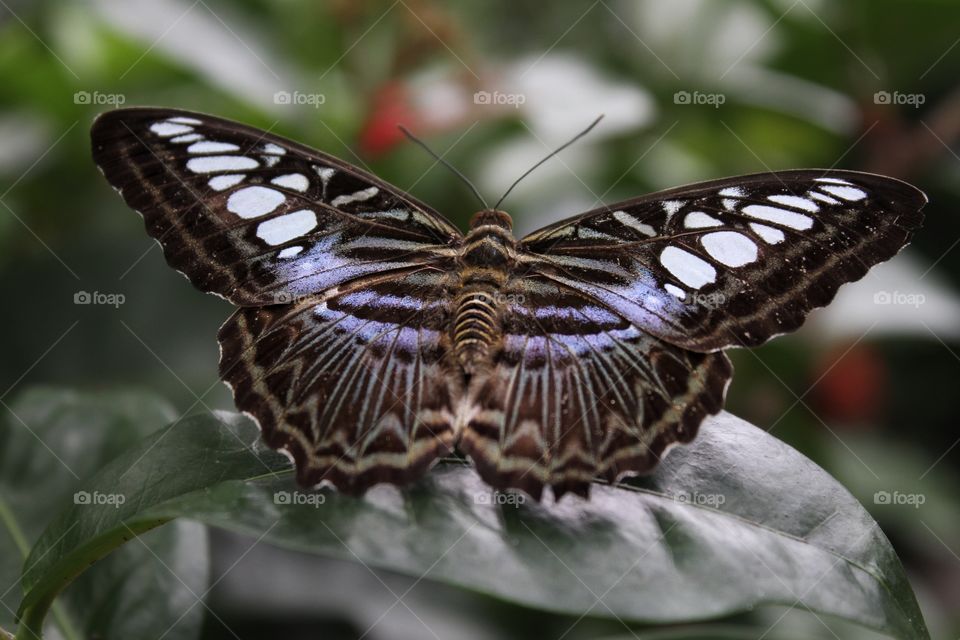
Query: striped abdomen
488	255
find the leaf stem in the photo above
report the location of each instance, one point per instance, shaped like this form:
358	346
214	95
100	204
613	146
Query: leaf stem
20	541
13	527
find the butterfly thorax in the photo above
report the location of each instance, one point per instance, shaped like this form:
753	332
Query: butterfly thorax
487	257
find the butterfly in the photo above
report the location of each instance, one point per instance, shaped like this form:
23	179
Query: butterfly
372	337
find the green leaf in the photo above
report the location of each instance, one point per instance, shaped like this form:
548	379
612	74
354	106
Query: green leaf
734	521
50	441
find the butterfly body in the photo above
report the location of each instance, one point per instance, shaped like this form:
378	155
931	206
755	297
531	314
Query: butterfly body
372	336
486	260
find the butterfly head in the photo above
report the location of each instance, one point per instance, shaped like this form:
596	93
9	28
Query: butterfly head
491	217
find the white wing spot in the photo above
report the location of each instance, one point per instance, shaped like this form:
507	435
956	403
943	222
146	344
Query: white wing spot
675	290
687	268
325	173
700	220
730	248
189	137
769	234
786	218
592	234
822	197
216	164
295	181
731	192
167	129
289	252
219	183
209	146
628	220
795	201
253	202
847	193
672	206
274	148
287	227
833	181
270	160
357	196
184	120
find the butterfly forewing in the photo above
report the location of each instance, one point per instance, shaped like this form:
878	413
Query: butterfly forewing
257	218
731	262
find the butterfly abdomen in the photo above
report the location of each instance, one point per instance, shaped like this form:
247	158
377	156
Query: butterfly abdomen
489	252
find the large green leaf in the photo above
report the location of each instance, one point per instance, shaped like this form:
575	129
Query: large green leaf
734	521
52	440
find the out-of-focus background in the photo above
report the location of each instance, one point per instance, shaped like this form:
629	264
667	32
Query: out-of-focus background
691	90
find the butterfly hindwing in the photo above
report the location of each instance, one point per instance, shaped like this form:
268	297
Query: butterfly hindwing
354	386
573	391
730	262
256	218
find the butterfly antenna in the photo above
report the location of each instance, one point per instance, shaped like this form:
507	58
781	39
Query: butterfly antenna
552	153
440	159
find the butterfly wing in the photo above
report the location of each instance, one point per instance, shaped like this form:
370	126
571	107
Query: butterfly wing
574	391
352	386
340	347
730	262
256	218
